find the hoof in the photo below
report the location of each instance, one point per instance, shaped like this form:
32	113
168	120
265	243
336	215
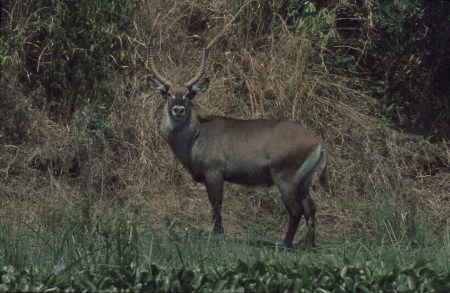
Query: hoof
287	244
218	230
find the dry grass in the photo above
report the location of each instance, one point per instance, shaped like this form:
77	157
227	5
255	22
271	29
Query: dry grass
379	175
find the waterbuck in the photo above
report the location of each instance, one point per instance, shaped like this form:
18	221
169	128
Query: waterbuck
250	152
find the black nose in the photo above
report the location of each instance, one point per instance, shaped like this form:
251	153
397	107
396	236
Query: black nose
178	110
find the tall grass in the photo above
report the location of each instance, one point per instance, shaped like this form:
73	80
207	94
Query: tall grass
115	251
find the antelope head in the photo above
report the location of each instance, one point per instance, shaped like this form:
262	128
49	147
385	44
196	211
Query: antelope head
178	97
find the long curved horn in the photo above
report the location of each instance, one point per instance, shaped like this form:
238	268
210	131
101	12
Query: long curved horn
200	71
151	58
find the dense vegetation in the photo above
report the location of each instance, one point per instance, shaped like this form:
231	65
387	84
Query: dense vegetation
126	259
91	197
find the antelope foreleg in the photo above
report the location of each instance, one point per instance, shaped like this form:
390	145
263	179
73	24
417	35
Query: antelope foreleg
214	187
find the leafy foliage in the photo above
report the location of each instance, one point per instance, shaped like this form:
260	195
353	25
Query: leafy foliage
403	46
255	276
267	18
69	48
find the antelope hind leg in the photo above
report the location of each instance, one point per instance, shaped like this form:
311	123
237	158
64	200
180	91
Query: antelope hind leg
310	217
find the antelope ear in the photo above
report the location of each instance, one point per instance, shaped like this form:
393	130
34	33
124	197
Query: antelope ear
157	85
200	86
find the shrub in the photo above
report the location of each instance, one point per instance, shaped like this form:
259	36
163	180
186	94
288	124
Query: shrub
403	47
71	49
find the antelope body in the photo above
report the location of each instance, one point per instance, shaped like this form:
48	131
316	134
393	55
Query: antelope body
250	152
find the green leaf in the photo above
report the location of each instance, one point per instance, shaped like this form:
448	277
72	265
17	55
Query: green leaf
297	285
361	288
332	261
219	285
50	280
5	288
6	279
176	286
198	281
320	290
89	285
344	272
402	288
411	281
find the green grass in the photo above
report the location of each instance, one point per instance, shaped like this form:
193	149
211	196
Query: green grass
117	253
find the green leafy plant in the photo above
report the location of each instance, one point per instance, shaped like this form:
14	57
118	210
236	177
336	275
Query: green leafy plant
72	49
403	46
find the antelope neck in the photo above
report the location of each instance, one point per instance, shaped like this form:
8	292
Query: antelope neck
181	135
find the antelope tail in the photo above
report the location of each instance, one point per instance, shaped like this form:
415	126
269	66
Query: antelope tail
310	165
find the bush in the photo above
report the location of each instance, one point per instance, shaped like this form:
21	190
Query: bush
403	46
71	49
